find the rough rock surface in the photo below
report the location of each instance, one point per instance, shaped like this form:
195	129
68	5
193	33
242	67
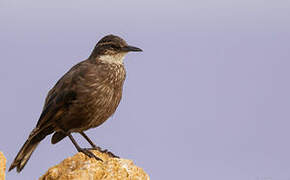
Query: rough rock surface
2	166
83	168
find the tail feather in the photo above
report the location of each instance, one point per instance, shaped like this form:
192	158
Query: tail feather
29	146
23	155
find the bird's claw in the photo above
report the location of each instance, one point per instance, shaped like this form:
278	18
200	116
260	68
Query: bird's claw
103	151
88	153
109	153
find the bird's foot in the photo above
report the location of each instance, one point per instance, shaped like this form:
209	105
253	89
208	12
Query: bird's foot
104	151
109	153
88	153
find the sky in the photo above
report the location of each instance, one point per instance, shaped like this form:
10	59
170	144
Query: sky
207	99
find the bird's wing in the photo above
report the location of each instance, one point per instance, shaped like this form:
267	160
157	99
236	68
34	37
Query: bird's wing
62	95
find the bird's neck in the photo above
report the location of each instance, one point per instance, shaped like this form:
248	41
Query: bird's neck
112	59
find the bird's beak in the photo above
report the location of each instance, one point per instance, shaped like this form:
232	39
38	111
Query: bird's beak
130	48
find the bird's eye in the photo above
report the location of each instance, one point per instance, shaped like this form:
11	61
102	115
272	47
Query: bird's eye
114	46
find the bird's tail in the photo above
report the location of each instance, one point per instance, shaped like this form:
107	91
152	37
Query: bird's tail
29	146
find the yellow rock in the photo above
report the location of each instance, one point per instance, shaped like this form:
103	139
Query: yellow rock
2	166
81	167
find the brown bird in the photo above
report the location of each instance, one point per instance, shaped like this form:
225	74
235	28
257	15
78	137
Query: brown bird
85	97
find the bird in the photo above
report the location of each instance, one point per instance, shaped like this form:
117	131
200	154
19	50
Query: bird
83	98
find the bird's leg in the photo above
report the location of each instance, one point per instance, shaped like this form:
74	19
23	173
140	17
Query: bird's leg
90	141
85	151
97	147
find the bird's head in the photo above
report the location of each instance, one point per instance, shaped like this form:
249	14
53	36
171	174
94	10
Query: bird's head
112	49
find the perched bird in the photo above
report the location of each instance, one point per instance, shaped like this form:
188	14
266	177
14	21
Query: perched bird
85	97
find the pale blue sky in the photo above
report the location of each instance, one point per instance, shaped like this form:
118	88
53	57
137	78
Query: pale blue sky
207	99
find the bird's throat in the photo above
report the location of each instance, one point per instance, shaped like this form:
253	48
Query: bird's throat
115	59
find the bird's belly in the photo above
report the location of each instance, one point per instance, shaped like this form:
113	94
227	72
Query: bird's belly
100	106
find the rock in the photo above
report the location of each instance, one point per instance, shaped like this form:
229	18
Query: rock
2	166
81	167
